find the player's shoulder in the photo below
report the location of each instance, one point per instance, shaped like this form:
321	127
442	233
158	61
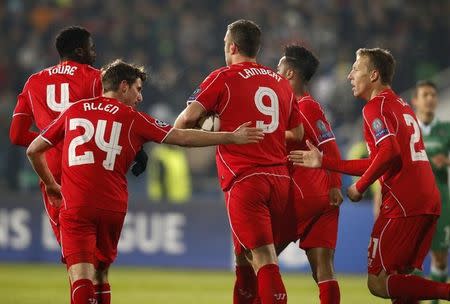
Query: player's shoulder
218	72
89	69
309	105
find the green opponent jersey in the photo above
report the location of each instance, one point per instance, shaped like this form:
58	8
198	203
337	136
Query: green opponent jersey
436	137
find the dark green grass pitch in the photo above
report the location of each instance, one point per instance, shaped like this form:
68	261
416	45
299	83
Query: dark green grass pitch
48	284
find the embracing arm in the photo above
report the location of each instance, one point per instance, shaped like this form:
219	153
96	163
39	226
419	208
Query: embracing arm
198	138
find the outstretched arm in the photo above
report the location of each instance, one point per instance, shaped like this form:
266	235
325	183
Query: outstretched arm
315	159
198	138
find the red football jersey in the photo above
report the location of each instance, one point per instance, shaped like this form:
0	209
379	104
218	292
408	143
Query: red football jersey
47	93
249	92
313	182
101	137
409	190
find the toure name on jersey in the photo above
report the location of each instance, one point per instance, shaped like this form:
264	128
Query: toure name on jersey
92	106
259	71
62	69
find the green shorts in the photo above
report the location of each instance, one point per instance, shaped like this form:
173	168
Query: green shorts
441	239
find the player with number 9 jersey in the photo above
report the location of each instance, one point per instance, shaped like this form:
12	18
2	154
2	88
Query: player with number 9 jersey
242	92
255	178
47	93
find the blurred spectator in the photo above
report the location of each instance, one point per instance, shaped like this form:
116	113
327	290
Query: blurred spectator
180	41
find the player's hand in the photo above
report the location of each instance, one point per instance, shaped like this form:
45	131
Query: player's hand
353	193
336	197
440	161
310	159
54	194
246	135
140	162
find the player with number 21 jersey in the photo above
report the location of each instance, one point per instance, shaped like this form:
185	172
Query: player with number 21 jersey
388	115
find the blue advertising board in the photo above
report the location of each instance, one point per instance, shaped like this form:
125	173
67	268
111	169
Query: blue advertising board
191	235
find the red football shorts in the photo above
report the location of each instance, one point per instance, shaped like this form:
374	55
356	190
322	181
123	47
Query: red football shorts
52	213
259	210
400	244
90	235
317	225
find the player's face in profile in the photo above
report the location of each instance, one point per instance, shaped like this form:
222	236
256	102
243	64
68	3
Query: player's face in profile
133	94
89	53
227	43
282	67
359	77
426	100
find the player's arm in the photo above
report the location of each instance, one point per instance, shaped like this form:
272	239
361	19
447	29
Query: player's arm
19	131
316	159
388	156
189	117
331	149
198	138
335	195
36	155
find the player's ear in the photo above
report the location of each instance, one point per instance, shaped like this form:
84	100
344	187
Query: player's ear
233	48
374	75
124	86
290	74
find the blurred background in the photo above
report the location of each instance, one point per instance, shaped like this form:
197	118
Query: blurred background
177	217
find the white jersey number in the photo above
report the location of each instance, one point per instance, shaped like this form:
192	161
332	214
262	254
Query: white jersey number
415	138
111	148
64	97
272	110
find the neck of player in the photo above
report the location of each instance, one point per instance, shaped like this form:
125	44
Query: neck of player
378	89
238	58
425	117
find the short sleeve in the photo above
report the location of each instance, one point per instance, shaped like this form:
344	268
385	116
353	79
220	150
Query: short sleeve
55	131
149	128
23	106
316	123
295	118
377	123
210	91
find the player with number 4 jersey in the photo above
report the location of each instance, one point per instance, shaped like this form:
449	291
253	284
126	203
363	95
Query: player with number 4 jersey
47	93
402	234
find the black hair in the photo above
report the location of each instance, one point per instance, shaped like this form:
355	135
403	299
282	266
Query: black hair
117	71
302	60
71	38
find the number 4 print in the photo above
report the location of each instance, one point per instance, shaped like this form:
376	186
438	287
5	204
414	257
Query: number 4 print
111	148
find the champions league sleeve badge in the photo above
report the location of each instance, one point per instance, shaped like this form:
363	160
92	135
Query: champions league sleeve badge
194	94
324	133
379	129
